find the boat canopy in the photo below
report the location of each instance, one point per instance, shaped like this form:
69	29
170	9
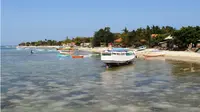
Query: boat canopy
119	49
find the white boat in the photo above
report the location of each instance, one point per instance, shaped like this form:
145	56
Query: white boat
117	56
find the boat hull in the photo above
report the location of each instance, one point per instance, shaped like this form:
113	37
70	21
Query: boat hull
117	62
113	61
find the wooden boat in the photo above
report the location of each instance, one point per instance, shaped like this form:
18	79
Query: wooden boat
66	52
77	56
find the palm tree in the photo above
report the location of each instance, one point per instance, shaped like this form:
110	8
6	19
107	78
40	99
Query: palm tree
125	30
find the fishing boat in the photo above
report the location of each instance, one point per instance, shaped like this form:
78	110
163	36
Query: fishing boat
118	56
66	51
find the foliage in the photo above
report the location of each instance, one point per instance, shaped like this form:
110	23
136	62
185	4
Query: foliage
186	35
103	36
159	38
46	42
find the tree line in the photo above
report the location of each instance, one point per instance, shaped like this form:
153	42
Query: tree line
149	36
77	41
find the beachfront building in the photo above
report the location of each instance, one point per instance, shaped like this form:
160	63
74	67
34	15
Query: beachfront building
166	43
85	44
68	44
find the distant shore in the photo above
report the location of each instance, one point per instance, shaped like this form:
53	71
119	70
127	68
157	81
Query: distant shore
42	47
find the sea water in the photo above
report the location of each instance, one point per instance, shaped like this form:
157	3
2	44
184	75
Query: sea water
43	82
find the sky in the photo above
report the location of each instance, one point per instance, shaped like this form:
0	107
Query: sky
33	20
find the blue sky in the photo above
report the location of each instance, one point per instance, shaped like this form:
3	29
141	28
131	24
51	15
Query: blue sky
32	20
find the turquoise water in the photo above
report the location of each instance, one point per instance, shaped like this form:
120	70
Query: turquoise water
42	82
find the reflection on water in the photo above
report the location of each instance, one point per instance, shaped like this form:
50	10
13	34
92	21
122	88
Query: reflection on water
183	68
43	83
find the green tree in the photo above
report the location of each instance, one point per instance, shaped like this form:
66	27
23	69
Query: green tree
125	30
27	44
67	40
108	36
186	35
131	38
148	33
159	38
77	41
103	36
22	44
33	43
125	37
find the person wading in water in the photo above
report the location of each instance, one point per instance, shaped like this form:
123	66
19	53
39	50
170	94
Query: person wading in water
31	51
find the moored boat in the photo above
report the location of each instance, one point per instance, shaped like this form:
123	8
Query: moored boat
66	52
117	56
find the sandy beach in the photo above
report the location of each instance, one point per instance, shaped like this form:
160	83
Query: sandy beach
169	55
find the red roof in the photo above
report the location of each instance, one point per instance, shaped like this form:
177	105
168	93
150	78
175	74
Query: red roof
154	35
118	40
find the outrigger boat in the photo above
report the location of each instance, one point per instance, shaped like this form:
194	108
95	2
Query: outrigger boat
66	51
118	56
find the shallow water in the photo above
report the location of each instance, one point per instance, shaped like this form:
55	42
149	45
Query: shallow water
42	82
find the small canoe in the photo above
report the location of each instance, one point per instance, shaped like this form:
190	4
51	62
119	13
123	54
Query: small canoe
77	56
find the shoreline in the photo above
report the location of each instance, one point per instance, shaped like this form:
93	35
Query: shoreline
169	55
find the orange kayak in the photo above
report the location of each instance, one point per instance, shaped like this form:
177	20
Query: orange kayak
77	56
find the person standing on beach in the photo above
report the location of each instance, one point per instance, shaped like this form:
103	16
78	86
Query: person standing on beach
110	46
